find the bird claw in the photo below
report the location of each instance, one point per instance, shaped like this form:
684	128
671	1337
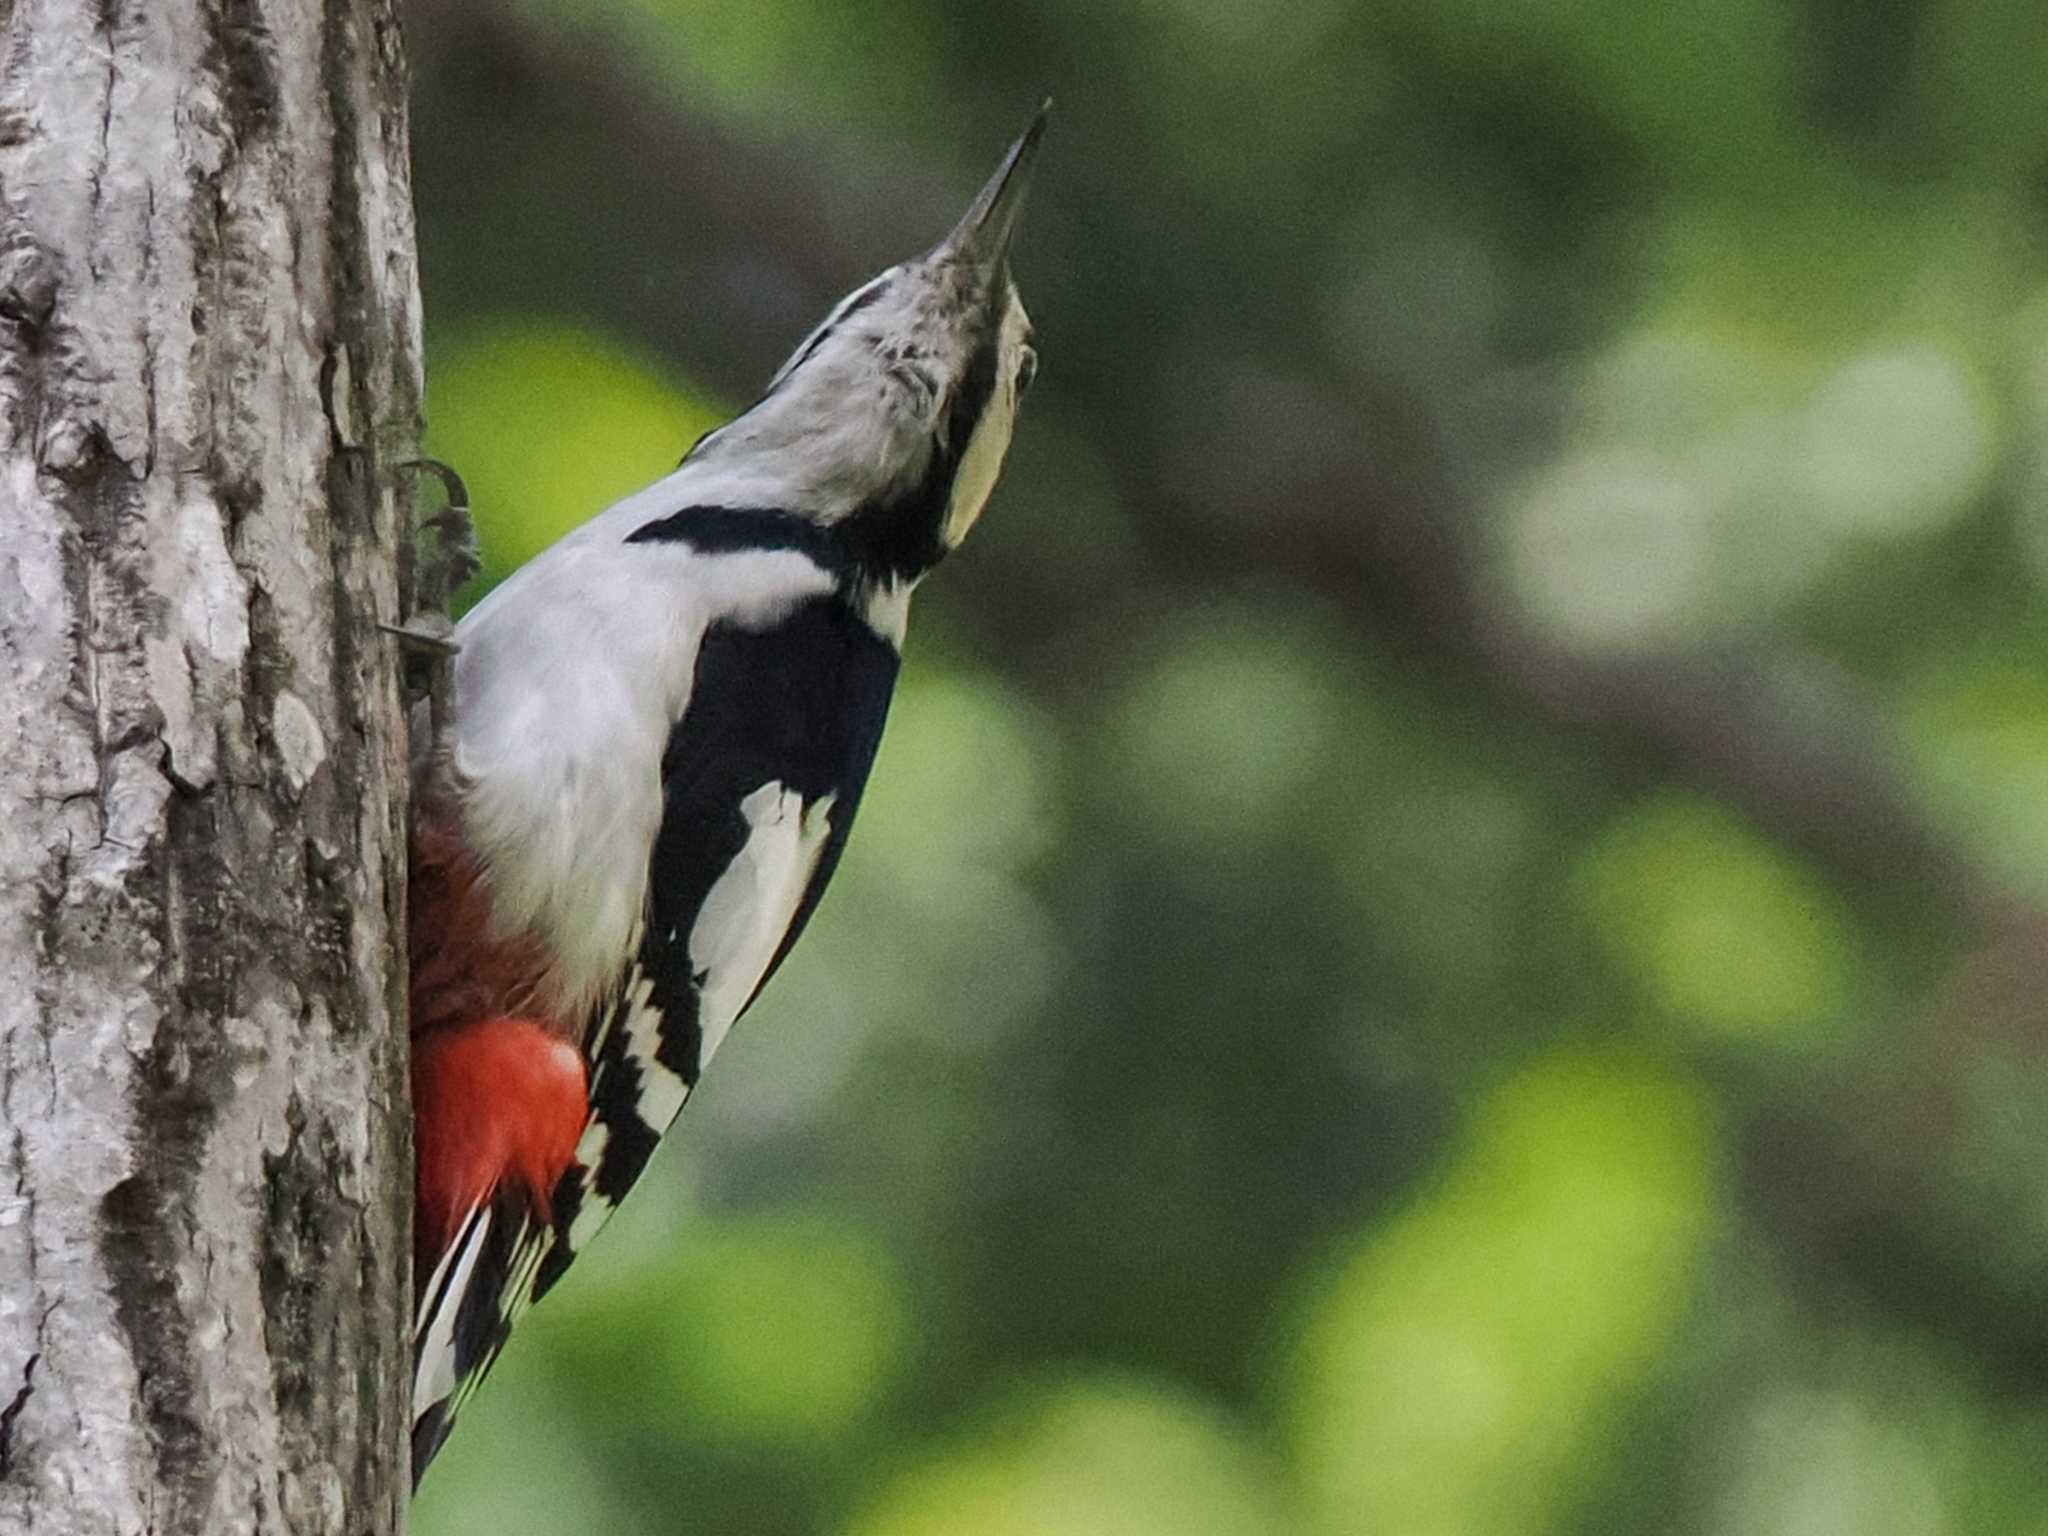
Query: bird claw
451	557
434	562
431	633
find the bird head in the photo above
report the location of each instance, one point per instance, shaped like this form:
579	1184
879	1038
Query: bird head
889	423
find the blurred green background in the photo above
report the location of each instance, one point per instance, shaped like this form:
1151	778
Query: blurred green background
1449	934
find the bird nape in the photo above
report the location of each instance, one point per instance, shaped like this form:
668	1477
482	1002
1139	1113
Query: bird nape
661	728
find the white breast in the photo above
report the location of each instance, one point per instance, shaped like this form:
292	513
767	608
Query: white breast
569	678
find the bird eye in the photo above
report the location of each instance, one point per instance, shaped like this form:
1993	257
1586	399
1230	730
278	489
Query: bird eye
1027	370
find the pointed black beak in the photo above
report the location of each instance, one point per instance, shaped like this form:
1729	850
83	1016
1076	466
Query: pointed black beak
983	234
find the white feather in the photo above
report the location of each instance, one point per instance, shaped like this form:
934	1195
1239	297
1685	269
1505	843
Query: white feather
749	909
434	1377
595	1210
662	1091
888	610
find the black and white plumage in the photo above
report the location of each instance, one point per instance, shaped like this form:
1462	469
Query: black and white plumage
663	725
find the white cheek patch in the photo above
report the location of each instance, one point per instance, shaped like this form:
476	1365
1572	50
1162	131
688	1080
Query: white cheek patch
748	911
979	467
983	460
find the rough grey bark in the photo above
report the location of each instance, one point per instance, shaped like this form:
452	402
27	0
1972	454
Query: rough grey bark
209	362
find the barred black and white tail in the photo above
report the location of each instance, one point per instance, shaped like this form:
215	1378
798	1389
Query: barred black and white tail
503	1260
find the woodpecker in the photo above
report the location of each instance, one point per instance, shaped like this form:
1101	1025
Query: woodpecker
659	734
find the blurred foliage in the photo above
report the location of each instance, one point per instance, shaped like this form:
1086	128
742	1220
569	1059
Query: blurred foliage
1459	1374
1451	931
1719	928
551	418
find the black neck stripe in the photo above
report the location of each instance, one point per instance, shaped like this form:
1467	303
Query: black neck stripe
904	535
712	529
901	536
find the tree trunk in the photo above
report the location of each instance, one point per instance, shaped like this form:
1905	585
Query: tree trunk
209	363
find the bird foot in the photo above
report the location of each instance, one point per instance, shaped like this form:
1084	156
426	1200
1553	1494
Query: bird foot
439	556
443	548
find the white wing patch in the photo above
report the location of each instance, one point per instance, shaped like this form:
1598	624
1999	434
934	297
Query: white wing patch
738	930
748	912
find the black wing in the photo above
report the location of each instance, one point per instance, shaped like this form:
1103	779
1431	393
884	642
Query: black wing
798	705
